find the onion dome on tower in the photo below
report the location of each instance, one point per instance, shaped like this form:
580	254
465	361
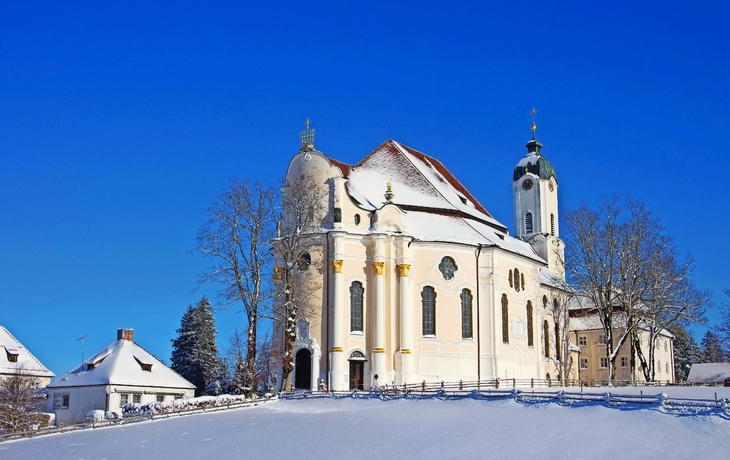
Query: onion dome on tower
534	162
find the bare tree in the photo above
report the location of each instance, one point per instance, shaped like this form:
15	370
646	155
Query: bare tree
561	325
20	402
297	250
670	297
237	236
620	260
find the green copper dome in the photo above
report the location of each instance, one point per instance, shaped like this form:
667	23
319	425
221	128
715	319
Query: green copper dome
534	163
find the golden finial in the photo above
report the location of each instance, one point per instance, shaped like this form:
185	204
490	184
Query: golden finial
534	126
307	137
389	195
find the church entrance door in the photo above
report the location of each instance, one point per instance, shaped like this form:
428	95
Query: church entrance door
357	369
303	369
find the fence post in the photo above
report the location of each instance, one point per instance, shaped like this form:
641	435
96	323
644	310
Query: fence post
514	383
442	384
532	382
461	384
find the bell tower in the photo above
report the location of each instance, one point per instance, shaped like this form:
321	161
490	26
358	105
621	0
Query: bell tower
535	194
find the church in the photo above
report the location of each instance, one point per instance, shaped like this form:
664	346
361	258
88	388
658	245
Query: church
417	281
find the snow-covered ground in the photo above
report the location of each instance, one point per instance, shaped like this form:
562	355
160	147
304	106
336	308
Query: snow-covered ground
402	429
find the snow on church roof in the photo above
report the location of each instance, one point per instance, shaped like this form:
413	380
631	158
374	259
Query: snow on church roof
14	356
437	206
418	180
122	363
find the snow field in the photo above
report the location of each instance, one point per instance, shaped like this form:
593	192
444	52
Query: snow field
402	429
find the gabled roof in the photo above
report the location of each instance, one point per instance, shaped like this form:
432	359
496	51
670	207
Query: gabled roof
419	181
9	346
122	363
709	372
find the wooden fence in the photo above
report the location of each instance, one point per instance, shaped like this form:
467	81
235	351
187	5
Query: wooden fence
126	420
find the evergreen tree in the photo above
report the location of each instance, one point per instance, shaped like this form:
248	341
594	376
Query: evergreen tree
712	351
194	351
686	351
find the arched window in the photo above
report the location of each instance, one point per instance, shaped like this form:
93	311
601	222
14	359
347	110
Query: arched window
356	294
530	336
557	342
528	223
505	319
447	268
522	280
546	334
555	305
552	224
517	280
511	283
466	298
428	310
544	301
304	261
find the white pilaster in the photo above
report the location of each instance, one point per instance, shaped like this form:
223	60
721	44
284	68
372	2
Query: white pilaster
379	306
405	297
339	321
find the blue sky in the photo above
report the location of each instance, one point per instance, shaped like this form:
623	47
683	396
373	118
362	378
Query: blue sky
120	123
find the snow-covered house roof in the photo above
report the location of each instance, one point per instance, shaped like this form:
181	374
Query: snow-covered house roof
123	363
437	206
709	372
14	356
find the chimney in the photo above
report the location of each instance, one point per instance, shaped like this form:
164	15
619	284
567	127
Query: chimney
125	334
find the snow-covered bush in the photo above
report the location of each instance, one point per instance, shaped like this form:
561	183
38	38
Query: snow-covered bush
165	407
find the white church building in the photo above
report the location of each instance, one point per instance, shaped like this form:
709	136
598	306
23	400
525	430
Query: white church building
418	281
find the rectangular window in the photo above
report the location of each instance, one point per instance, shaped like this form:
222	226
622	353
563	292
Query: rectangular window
123	399
667	366
582	341
659	367
137	398
584	363
624	361
602	339
160	398
61	401
604	362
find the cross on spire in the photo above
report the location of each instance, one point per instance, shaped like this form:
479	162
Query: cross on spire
307	137
534	126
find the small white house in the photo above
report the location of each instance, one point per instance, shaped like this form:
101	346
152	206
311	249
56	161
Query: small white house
14	356
119	374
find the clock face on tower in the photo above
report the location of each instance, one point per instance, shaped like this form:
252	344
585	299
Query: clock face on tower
527	184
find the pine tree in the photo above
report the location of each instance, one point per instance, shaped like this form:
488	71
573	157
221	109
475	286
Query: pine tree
686	351
712	351
194	351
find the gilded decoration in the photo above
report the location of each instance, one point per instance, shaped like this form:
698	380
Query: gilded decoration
405	351
336	349
336	266
403	270
378	350
378	266
278	273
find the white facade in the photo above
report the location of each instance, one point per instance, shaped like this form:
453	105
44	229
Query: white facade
119	374
413	272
